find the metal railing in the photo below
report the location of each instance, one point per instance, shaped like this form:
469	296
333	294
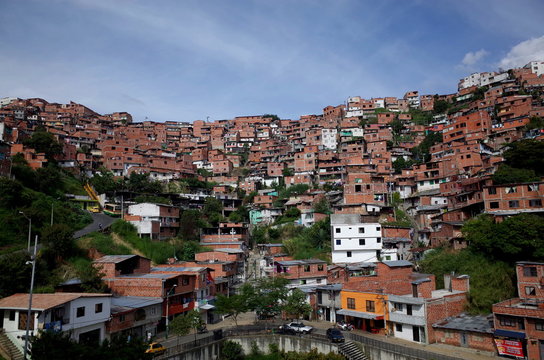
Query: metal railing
399	349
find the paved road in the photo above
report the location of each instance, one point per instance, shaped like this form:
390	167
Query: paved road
98	218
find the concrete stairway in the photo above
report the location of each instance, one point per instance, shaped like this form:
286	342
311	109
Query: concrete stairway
351	351
8	348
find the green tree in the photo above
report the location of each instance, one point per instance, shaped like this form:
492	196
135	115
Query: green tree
59	242
184	323
440	106
517	238
235	304
322	206
506	174
270	293
14	273
51	345
141	183
231	350
10	193
296	305
44	142
49	179
526	154
104	182
190	224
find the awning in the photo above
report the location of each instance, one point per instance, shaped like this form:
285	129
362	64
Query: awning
206	307
360	314
511	334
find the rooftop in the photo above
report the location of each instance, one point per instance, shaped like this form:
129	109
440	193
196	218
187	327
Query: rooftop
43	301
464	322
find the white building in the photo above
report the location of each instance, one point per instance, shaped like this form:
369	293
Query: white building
354	241
537	67
6	101
83	315
328	138
157	221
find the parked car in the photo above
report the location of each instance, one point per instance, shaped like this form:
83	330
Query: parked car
335	335
300	327
284	329
155	349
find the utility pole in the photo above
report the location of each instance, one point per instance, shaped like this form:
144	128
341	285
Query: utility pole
29	313
167	298
29	229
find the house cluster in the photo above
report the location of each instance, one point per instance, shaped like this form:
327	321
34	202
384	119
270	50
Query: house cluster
141	298
347	155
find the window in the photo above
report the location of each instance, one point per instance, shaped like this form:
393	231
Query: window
348	254
513	203
378	228
535	203
511	190
122	318
361	230
306	268
379	240
530	290
12	315
398	327
98	308
398	306
337	230
320	267
302	282
357	188
80	312
338	242
361	241
318	281
409	309
532	187
506	321
494	205
529	271
539	325
351	303
185	280
370	306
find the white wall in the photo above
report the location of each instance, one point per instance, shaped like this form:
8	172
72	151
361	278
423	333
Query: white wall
144	209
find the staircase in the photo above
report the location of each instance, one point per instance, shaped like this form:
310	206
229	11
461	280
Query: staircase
351	351
8	349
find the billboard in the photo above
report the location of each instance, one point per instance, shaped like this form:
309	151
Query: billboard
509	347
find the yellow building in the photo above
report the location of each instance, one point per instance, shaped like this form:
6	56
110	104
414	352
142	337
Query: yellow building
365	310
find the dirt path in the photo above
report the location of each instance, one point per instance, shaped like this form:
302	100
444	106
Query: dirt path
117	240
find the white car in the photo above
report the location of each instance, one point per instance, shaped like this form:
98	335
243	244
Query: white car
300	327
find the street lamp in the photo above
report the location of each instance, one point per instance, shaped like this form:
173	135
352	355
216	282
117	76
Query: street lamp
167	298
29	313
29	228
53	204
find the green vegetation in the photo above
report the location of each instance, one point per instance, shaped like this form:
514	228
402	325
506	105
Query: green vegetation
290	215
421	152
50	345
322	206
183	324
490	281
490	258
236	304
420	117
400	163
440	106
535	122
103	243
157	251
295	304
310	242
517	238
44	142
509	175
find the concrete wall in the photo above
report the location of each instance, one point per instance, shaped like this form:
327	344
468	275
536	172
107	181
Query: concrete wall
286	343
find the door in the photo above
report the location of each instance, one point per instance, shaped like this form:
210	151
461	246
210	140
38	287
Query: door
541	348
328	314
464	340
415	333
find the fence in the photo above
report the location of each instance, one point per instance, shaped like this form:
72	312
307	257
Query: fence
399	349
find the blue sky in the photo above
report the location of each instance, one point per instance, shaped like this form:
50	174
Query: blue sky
188	60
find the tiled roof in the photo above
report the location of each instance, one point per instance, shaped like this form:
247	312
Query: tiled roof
43	301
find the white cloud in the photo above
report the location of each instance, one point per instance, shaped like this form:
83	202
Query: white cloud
472	58
524	52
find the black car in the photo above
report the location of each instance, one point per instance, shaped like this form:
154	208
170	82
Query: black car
335	335
284	329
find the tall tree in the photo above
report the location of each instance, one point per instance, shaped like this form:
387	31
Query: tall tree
296	305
